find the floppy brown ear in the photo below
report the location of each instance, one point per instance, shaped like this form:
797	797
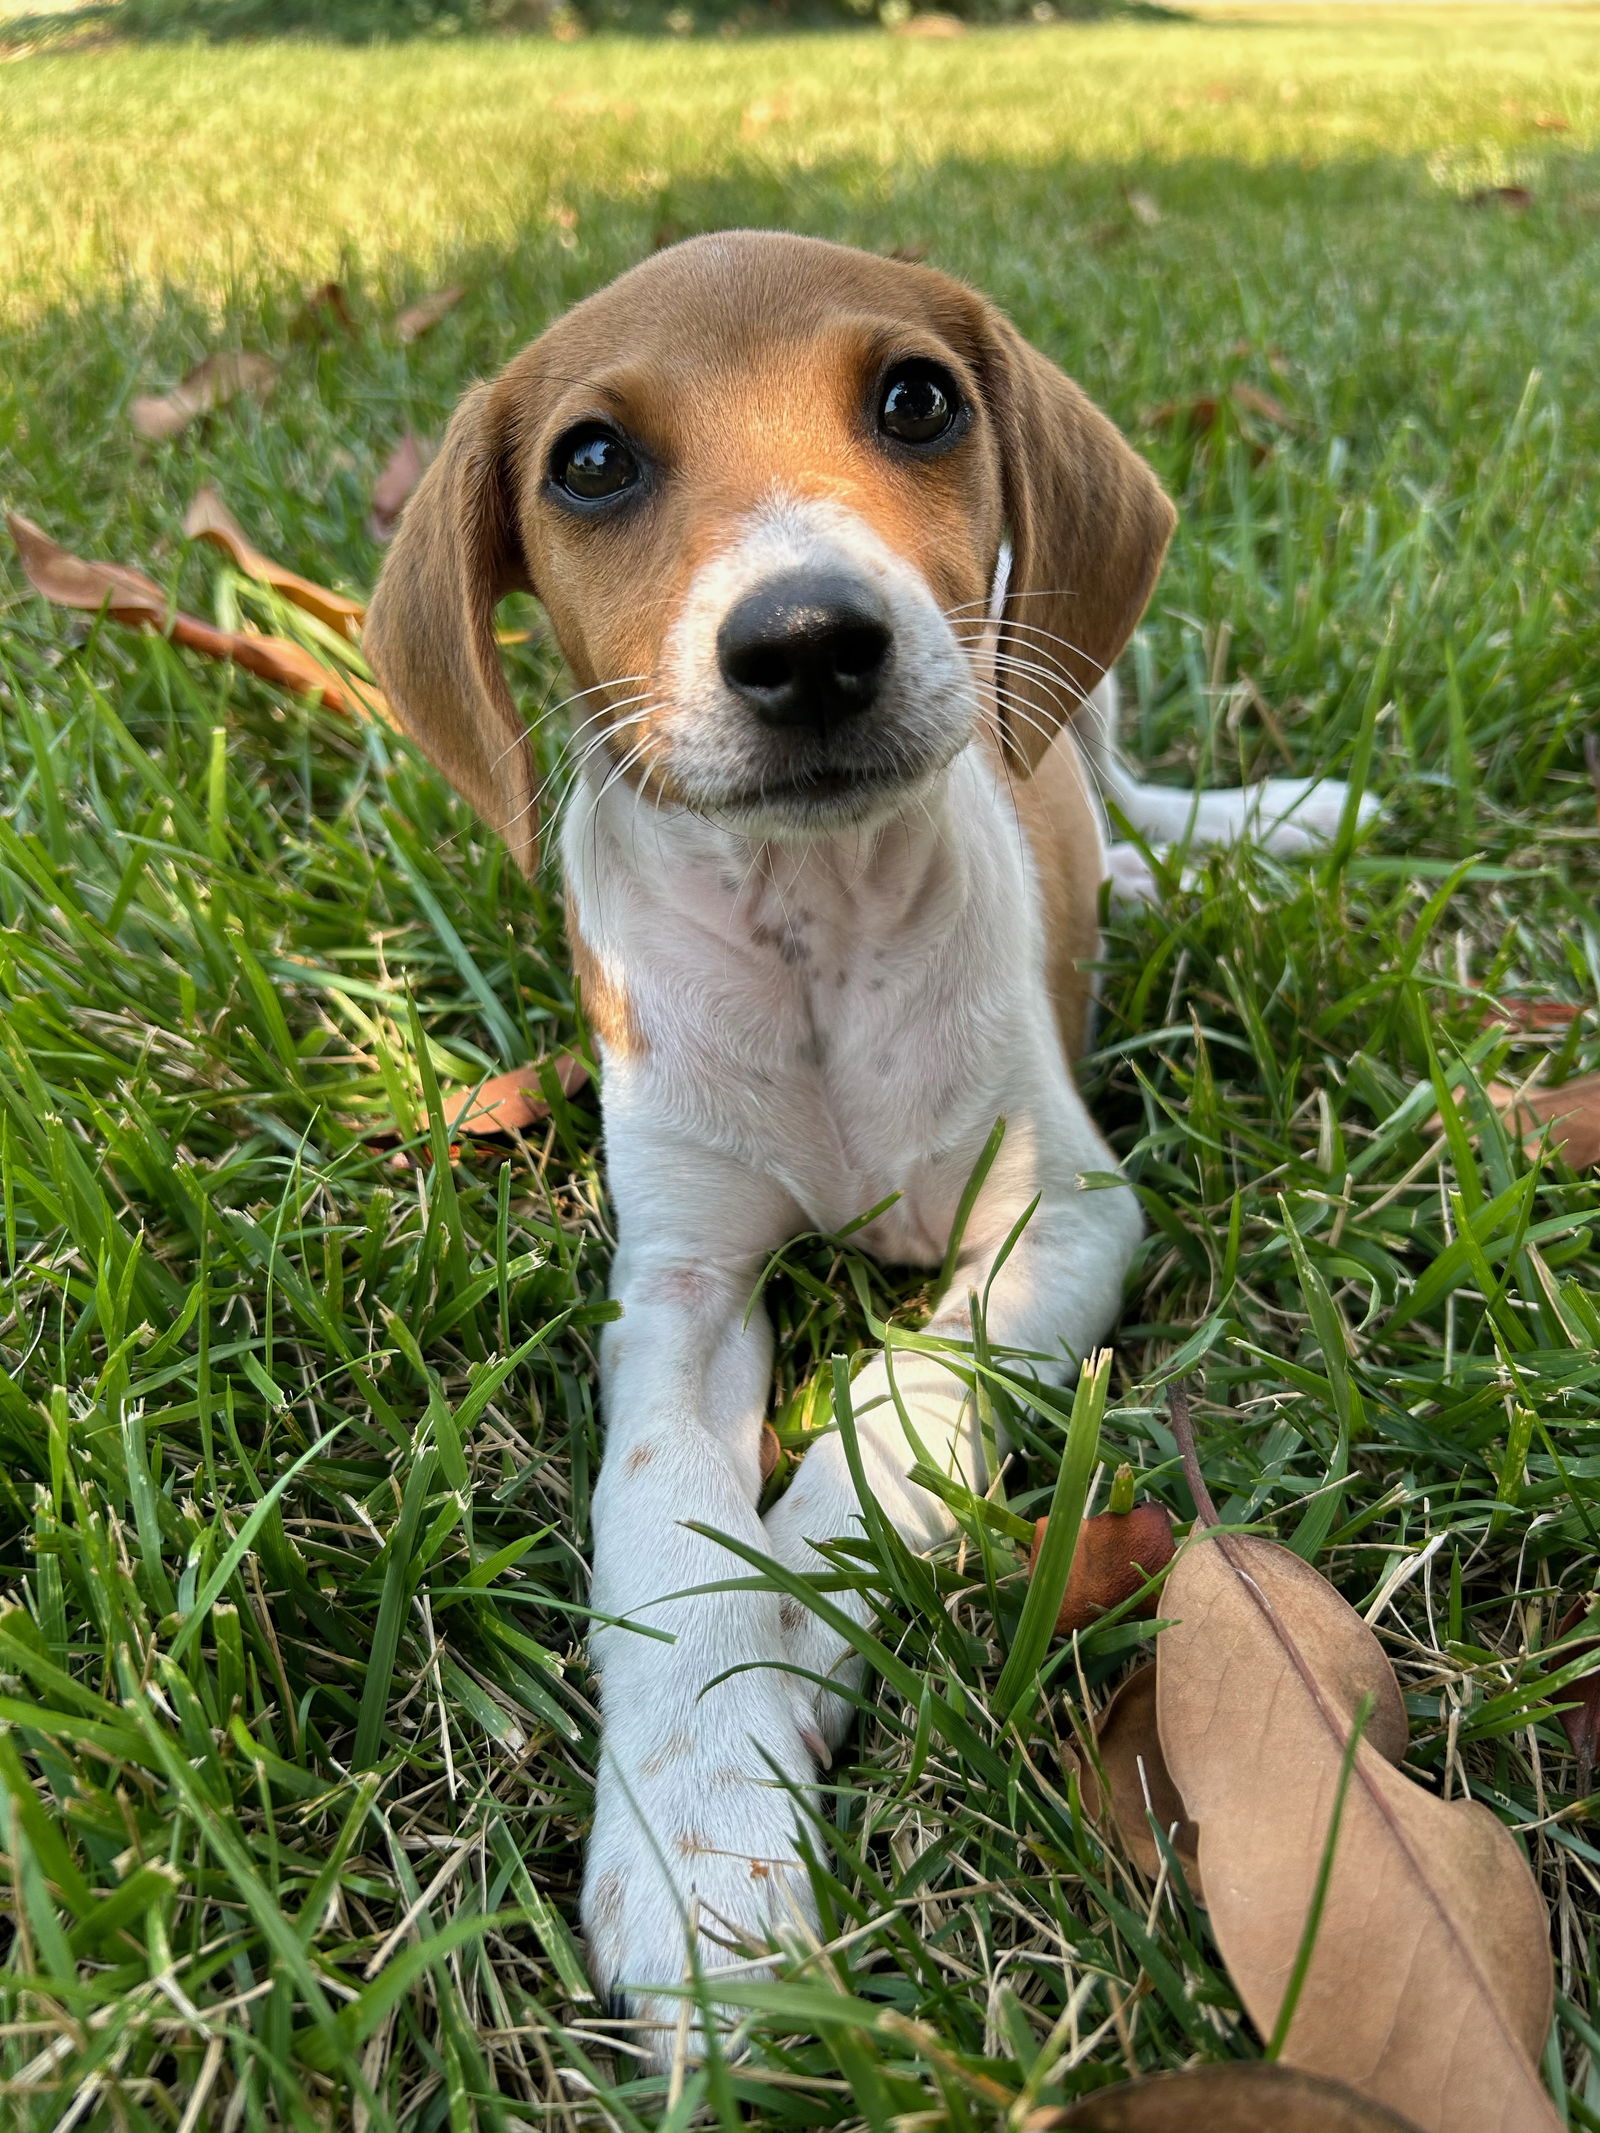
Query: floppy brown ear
430	628
1089	525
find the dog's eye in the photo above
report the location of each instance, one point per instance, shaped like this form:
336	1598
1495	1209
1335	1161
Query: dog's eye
920	404
592	464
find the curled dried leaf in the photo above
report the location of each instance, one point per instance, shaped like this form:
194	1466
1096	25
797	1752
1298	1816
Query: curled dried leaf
422	316
220	378
771	1452
511	1102
209	519
1116	1554
128	596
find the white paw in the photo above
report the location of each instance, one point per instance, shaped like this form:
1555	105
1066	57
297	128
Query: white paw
693	1857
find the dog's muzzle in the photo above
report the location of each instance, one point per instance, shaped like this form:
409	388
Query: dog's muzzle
807	651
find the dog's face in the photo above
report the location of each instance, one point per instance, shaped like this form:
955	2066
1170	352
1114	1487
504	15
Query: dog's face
762	486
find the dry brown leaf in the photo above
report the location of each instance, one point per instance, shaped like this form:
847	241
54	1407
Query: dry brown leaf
391	492
1116	1553
771	1452
1251	400
1582	1719
1137	1781
422	316
1516	197
128	596
1198	415
508	1103
324	308
158	416
1570	1114
1524	1011
209	519
1429	1988
1245	2096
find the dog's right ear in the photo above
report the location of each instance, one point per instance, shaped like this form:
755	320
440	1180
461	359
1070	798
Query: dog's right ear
430	628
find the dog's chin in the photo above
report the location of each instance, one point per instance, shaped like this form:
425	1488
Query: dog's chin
804	808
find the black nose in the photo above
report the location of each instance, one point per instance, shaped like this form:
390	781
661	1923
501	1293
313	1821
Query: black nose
806	650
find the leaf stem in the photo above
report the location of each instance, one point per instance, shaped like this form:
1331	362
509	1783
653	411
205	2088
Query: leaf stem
1183	1430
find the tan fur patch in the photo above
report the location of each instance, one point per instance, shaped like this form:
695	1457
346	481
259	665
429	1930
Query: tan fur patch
606	1005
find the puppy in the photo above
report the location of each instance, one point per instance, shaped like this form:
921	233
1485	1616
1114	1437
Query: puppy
840	566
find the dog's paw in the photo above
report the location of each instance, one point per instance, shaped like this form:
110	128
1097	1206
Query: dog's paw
1301	814
694	1859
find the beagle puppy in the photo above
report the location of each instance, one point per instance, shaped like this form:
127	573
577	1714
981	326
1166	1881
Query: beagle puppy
840	566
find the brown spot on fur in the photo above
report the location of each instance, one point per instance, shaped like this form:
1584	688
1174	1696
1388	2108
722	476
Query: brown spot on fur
639	1458
691	1841
606	1005
791	945
672	1750
791	1617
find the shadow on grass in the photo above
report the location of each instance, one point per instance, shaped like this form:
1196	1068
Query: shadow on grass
390	21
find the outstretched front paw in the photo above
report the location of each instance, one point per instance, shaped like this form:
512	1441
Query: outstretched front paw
694	1862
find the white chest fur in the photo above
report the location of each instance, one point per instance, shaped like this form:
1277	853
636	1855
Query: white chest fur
846	1017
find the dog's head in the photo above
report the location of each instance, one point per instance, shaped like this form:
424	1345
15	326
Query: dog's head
768	491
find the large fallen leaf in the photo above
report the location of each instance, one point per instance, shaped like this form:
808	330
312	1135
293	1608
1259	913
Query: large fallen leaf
391	492
128	596
158	416
209	519
1429	1985
1246	2096
1138	1784
422	316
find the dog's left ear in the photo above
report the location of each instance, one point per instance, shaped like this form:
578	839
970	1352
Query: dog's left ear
1089	525
430	628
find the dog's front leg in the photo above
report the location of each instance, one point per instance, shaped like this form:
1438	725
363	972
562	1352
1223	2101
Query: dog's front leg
693	1843
1056	1293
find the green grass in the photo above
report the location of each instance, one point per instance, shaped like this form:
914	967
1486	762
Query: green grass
295	1730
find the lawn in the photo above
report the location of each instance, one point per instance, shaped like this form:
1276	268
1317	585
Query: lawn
298	1433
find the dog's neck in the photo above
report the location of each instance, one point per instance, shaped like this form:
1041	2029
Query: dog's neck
904	873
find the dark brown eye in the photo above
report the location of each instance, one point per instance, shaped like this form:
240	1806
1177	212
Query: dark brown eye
593	464
920	405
